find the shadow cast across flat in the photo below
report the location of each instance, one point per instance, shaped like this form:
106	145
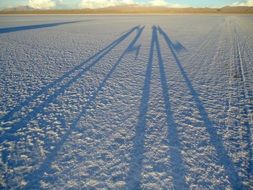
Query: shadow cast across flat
133	179
33	27
35	177
216	141
60	89
177	164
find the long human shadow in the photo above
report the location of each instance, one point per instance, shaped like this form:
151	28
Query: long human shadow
133	179
215	140
33	178
7	135
45	89
32	27
177	165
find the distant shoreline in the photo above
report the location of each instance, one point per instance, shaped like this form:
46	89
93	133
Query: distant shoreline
125	14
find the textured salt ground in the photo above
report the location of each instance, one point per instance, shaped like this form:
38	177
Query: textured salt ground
166	106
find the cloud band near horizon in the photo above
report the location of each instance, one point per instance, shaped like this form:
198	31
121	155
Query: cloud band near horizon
51	4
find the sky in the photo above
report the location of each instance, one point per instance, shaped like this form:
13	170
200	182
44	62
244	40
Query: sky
66	4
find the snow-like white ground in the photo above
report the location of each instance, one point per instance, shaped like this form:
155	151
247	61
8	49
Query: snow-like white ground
126	102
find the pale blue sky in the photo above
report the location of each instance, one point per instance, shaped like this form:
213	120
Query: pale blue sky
77	3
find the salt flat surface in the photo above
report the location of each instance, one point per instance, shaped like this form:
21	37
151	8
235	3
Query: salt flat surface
126	102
